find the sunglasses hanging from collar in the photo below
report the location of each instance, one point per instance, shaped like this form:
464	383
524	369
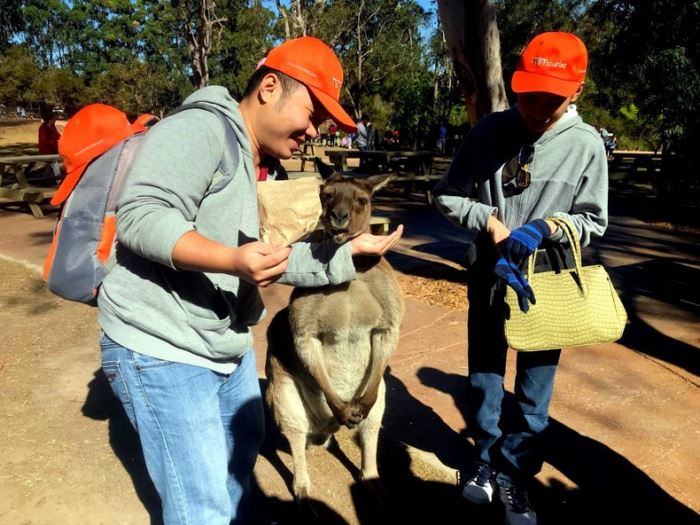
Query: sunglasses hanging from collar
516	175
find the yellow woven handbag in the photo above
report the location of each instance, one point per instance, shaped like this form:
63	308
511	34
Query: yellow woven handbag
574	307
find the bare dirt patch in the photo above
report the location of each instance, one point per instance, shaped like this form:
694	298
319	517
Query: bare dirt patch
434	291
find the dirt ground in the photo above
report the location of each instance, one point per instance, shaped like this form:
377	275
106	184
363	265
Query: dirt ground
623	445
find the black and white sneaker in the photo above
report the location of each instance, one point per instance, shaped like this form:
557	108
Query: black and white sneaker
518	508
479	489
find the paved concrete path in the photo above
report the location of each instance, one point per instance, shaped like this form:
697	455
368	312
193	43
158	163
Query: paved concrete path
623	445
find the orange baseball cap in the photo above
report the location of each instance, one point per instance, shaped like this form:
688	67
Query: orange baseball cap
87	135
553	62
145	121
313	63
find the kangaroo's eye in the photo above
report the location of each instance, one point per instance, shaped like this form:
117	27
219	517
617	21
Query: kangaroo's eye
326	196
362	201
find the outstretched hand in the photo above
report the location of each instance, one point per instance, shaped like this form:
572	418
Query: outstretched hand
368	244
511	274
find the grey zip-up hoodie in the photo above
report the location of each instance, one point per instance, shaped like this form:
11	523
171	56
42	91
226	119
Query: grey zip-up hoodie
203	319
569	176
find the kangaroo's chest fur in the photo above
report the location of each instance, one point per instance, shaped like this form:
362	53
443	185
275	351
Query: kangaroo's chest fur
345	318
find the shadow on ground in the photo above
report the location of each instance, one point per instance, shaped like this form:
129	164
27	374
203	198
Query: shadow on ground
611	490
101	404
19	148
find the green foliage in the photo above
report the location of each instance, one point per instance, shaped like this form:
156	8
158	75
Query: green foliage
413	114
135	88
245	41
459	116
650	54
57	87
18	70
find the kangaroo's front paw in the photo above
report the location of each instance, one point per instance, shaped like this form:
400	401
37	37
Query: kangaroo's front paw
364	405
350	414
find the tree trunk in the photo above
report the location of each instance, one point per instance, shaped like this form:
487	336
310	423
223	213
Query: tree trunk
198	35
474	44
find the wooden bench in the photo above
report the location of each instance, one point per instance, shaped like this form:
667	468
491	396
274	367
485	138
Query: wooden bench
17	187
627	164
306	154
304	159
379	225
416	171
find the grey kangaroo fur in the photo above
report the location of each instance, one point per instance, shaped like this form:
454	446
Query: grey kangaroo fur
328	352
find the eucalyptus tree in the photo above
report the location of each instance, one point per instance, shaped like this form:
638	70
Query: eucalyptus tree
473	40
248	35
10	22
201	26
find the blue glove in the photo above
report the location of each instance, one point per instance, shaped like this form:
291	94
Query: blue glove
525	240
510	273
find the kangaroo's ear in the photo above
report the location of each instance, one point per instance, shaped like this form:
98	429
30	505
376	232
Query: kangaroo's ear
324	169
377	181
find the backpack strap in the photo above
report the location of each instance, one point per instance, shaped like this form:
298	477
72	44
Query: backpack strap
230	160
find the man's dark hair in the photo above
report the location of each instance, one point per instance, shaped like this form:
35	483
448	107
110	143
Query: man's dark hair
47	113
289	85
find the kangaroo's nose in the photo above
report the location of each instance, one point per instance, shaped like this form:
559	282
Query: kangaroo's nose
340	217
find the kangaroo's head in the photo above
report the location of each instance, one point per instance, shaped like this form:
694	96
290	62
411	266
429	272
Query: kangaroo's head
346	202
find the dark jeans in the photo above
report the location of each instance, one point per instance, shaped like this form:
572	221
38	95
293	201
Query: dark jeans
512	447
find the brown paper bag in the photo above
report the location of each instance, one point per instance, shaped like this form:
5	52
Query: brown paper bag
288	210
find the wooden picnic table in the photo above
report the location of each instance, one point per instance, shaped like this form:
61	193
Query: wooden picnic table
306	154
339	157
624	165
18	185
381	161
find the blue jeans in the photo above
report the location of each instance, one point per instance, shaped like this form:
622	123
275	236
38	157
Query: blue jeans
512	446
200	431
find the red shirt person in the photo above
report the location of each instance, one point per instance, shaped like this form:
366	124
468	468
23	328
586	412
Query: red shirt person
48	135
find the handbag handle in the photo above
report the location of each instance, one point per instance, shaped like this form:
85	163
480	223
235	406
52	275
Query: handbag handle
575	245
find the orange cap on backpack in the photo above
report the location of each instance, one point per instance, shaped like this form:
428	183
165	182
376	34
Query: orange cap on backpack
553	62
87	135
145	121
311	62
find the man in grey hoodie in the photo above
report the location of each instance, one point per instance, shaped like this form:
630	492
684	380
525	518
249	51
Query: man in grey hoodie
514	170
176	309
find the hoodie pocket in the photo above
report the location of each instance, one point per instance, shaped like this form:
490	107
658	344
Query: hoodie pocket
210	316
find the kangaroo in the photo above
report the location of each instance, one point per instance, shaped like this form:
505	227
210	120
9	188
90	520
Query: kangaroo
328	351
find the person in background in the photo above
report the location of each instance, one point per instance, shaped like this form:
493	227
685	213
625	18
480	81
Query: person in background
48	138
332	134
48	133
362	139
442	138
323	132
177	308
524	165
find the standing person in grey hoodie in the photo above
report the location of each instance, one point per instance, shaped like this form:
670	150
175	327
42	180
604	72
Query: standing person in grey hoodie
176	310
514	170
